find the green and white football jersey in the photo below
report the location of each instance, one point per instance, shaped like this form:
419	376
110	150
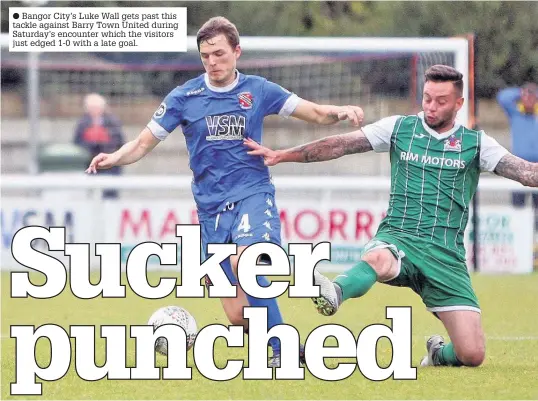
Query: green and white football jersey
433	176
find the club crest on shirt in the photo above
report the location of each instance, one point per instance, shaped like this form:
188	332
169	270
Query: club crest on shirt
245	100
452	144
160	111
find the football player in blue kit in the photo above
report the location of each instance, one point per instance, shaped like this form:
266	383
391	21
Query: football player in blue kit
233	191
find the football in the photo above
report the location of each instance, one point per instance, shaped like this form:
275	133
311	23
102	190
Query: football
173	315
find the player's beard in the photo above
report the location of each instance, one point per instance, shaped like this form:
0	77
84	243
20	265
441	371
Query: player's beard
445	121
438	124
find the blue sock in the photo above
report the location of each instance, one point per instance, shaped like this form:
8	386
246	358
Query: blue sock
274	316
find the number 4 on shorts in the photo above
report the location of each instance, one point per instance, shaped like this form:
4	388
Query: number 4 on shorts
244	225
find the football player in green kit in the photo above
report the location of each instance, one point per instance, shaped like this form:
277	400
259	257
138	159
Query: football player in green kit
435	167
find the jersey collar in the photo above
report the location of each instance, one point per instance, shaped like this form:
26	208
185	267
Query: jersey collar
222	88
434	133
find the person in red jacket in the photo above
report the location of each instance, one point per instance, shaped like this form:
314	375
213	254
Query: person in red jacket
98	131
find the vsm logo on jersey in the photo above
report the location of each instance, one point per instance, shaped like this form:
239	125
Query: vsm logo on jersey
228	127
452	144
245	100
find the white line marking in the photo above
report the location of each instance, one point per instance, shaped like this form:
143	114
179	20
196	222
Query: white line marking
508	338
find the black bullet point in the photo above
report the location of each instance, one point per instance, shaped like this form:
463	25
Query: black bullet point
16	16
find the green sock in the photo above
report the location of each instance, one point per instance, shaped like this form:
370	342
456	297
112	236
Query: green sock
446	356
356	281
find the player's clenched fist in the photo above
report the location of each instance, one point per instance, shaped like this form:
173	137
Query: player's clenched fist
102	161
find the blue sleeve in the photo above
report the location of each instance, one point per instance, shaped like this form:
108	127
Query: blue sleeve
274	97
508	99
168	116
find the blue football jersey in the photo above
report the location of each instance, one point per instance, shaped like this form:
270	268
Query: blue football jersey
214	122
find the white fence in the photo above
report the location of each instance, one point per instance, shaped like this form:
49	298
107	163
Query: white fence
334	209
151	182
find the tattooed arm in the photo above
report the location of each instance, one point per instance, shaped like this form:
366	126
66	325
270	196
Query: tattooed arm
328	148
519	170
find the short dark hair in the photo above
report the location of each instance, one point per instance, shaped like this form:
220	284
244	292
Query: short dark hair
445	73
218	26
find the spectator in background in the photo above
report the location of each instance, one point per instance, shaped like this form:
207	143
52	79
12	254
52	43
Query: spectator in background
99	131
521	107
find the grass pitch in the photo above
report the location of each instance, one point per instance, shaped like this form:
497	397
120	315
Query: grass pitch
510	311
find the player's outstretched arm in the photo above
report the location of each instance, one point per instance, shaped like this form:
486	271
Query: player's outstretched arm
129	153
517	169
327	114
328	148
507	99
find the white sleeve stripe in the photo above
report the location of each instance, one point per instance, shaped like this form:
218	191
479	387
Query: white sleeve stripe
379	133
289	106
157	131
495	159
491	152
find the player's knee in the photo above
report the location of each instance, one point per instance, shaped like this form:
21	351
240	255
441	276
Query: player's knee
473	357
233	308
236	318
381	261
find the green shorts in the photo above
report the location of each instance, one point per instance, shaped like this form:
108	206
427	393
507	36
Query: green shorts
439	275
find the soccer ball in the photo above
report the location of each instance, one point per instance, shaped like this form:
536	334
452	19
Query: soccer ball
173	315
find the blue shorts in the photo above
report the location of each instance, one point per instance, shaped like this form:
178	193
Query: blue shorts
245	222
